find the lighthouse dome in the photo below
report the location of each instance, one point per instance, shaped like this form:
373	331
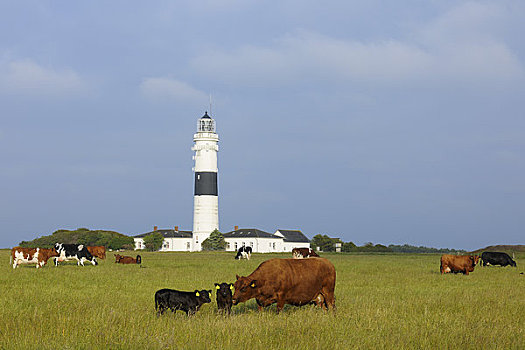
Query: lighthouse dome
206	124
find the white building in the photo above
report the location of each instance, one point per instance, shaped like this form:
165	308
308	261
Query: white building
260	242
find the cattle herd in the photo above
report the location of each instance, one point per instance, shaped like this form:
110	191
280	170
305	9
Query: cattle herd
304	279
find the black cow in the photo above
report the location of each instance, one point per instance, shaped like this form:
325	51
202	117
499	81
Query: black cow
76	252
243	253
224	297
189	302
497	258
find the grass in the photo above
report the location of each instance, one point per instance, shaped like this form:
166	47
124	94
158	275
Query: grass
388	301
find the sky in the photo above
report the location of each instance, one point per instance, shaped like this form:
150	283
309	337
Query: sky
392	122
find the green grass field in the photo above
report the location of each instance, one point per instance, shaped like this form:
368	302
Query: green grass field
383	302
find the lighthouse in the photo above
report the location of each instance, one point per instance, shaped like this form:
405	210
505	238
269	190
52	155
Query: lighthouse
206	198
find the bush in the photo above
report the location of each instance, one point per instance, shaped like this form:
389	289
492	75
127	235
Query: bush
153	241
214	242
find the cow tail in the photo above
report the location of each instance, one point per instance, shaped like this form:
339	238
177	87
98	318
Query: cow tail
139	259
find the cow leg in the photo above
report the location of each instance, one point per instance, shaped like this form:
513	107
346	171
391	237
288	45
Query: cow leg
280	305
260	306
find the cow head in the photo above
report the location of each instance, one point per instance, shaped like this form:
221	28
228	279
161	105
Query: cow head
225	290
475	259
203	296
245	289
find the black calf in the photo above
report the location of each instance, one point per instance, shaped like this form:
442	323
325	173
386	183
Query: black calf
224	297
189	302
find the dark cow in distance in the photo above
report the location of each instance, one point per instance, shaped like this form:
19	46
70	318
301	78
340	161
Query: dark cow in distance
189	302
458	263
289	281
120	259
38	256
224	297
496	258
76	252
98	251
301	253
244	253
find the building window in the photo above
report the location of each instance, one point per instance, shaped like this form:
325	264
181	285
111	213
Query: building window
197	239
251	244
228	245
188	245
273	246
235	245
244	244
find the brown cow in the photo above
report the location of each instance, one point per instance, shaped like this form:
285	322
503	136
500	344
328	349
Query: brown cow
300	253
127	259
458	263
289	281
98	251
38	256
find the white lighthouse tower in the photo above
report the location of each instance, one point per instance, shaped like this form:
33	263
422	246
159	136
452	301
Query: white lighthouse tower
206	199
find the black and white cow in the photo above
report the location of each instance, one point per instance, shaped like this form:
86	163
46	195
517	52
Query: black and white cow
243	253
497	258
76	252
189	302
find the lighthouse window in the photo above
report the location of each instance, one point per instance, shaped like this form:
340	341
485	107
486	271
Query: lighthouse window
198	177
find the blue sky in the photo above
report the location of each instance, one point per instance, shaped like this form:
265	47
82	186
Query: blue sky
388	122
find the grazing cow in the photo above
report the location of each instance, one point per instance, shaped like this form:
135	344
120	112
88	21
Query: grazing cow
289	281
189	302
127	259
224	297
458	263
76	252
243	253
98	251
497	258
38	256
300	253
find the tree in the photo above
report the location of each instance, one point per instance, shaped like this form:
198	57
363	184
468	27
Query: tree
214	242
325	243
153	241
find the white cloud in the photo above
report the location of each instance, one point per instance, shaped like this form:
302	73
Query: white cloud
29	78
171	89
463	46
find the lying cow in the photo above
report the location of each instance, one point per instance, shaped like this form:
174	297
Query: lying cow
458	263
289	281
38	256
300	253
496	258
121	259
224	297
98	251
189	302
76	252
244	253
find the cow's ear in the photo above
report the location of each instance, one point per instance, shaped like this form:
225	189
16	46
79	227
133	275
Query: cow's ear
209	292
217	286
237	276
231	286
197	293
253	284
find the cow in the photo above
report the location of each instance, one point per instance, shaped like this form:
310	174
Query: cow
300	253
243	253
127	259
288	281
98	251
496	258
224	297
38	256
76	252
189	302
458	263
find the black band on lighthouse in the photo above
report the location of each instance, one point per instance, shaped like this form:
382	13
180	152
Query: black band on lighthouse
206	184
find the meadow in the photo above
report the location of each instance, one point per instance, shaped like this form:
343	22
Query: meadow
384	301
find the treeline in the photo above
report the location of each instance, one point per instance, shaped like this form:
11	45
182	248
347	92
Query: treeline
328	244
109	239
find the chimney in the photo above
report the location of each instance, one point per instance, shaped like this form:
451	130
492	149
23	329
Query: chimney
176	228
235	228
155	228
